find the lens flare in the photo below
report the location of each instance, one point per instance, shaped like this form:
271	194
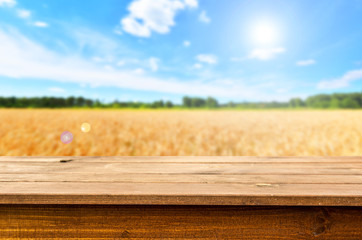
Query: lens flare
85	127
66	137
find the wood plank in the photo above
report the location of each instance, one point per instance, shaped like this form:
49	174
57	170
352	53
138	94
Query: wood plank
179	222
235	183
180	193
177	168
187	159
180	178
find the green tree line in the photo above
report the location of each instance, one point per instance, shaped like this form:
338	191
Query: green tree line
320	101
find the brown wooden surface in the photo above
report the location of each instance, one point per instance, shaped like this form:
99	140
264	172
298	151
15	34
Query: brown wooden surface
287	181
163	197
179	222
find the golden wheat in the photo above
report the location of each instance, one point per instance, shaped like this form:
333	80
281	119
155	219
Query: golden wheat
156	133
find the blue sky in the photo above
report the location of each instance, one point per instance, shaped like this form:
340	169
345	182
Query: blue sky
145	50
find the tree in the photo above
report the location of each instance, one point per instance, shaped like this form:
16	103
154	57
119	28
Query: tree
157	104
231	104
88	103
335	103
98	104
198	102
169	104
319	101
349	103
336	100
70	101
296	103
211	102
80	101
186	102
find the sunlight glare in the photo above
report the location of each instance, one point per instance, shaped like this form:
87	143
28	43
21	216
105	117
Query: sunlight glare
264	33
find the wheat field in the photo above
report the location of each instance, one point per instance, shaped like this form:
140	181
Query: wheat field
176	133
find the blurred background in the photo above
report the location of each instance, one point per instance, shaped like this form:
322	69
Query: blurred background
180	77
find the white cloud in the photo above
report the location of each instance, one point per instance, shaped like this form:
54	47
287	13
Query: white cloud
266	53
341	82
108	68
236	59
40	24
23	13
132	62
224	81
191	3
118	30
146	16
98	59
282	90
306	62
207	58
154	63
121	63
197	66
139	71
186	43
56	90
26	59
7	3
204	18
94	41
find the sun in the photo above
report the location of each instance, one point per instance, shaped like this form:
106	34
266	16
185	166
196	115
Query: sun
264	33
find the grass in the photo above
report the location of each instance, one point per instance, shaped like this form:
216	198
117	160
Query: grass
36	132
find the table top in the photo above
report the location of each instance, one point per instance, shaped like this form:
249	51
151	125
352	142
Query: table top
287	181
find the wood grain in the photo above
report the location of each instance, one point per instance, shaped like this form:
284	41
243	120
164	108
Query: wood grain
181	197
181	194
179	168
179	222
182	180
188	159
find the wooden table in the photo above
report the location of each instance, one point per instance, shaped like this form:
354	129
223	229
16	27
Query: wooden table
181	197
